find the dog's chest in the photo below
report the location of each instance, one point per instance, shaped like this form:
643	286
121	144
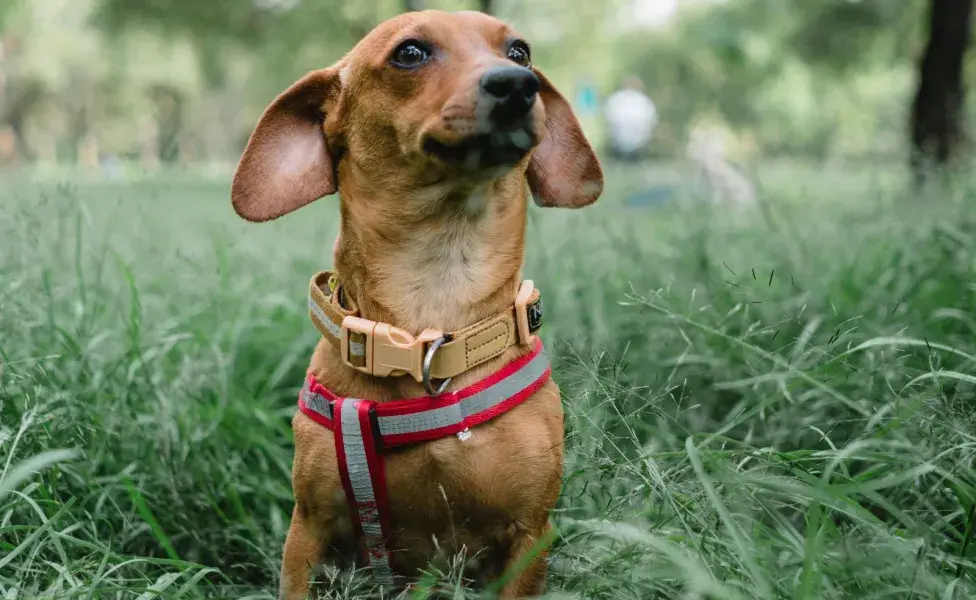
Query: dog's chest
462	472
446	270
471	492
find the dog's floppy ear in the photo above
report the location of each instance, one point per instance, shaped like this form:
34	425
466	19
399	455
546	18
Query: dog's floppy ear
564	170
286	163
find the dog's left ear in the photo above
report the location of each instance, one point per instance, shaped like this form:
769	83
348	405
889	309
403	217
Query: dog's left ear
564	170
287	163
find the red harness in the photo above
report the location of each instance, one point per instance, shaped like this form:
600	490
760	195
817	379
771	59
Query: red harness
365	428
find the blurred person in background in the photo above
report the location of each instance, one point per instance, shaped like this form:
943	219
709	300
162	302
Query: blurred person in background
631	117
717	178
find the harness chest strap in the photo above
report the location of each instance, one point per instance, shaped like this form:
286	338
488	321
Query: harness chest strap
383	350
364	428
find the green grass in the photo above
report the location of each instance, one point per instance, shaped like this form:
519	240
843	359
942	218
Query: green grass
778	405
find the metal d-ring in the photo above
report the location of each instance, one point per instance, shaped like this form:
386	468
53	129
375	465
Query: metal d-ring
428	359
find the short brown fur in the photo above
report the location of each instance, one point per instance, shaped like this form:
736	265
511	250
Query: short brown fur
422	244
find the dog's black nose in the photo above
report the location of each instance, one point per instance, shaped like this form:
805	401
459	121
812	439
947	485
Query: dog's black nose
512	89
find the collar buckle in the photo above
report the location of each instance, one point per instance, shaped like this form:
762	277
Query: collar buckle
382	350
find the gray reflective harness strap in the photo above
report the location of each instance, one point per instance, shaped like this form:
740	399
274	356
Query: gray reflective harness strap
363	478
454	412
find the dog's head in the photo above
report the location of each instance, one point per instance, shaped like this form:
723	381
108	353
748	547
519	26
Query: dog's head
427	98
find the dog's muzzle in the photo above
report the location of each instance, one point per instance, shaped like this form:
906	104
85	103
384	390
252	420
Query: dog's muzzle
510	93
504	129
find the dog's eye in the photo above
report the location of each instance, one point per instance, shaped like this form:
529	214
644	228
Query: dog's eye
410	54
518	53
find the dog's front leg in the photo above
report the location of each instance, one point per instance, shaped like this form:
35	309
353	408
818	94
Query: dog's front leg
530	579
303	551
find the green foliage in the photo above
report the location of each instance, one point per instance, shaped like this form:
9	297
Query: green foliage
755	408
5	9
844	35
821	79
261	29
237	20
791	71
108	70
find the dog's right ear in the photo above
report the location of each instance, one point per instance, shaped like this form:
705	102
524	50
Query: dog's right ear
286	163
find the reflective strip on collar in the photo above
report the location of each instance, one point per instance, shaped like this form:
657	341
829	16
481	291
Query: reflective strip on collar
355	348
468	347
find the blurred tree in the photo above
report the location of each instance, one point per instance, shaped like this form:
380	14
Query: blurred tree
804	77
234	20
219	27
6	8
785	69
852	34
845	35
22	97
937	127
484	6
170	105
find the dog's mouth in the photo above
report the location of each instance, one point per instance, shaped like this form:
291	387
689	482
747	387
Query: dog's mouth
482	150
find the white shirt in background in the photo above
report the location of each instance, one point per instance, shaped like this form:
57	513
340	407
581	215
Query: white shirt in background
631	116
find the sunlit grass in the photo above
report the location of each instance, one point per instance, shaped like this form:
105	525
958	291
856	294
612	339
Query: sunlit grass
773	406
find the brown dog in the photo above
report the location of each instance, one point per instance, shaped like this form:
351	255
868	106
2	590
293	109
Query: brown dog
429	129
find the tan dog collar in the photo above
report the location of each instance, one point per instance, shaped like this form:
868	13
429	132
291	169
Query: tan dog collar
382	350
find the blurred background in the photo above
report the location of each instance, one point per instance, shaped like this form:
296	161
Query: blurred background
122	85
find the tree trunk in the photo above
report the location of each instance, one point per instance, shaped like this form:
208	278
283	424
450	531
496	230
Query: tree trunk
169	103
485	6
16	122
936	122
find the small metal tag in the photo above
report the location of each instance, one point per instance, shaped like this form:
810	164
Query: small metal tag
464	435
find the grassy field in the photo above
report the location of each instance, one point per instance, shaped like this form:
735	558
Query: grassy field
775	405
